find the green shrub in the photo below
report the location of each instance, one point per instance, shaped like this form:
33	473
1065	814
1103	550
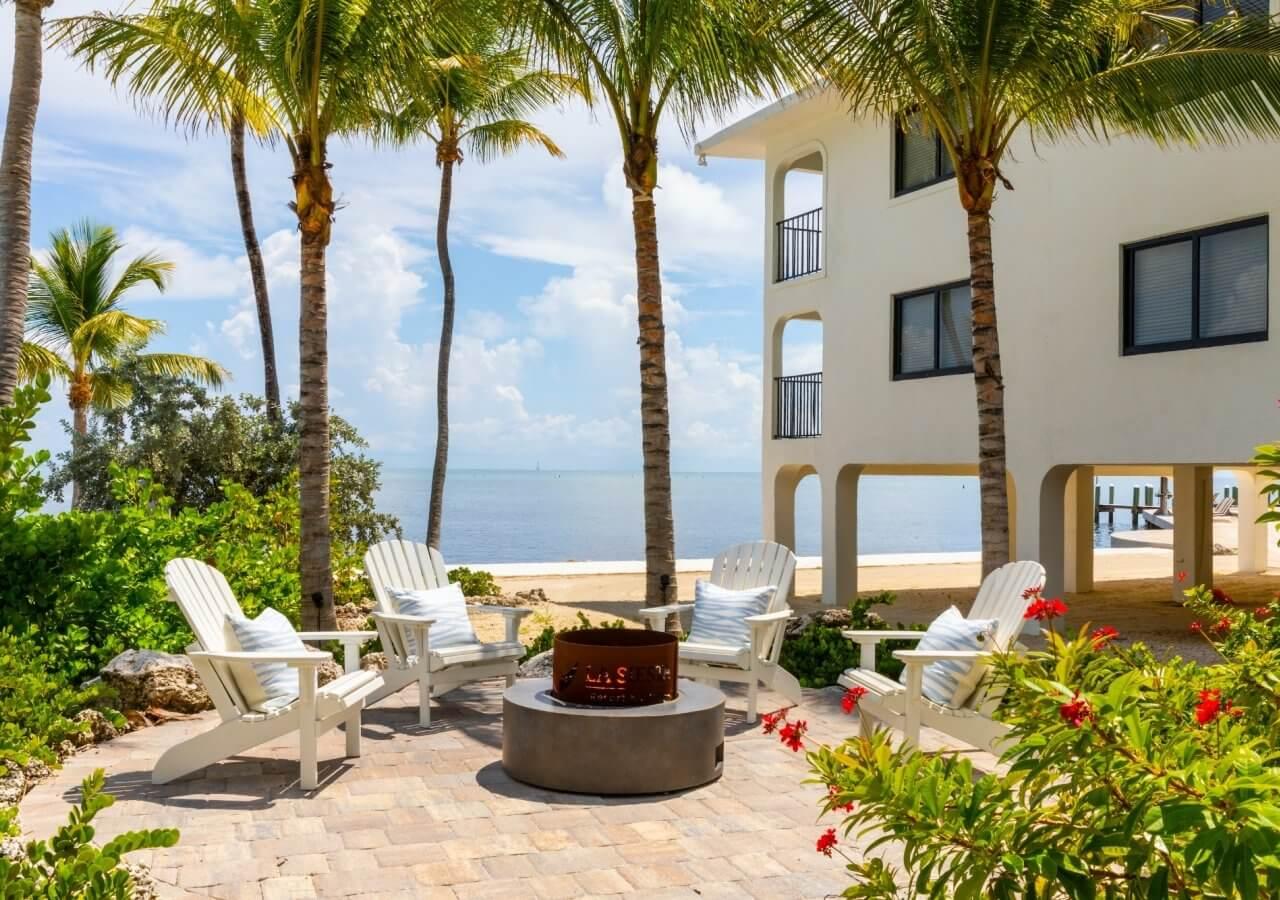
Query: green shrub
70	866
475	582
546	638
1125	777
37	703
820	653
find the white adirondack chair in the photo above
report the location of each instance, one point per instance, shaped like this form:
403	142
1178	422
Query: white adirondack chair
206	600
905	707
742	567
405	564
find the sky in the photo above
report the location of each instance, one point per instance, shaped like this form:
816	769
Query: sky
544	365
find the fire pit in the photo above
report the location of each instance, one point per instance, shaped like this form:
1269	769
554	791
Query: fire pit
615	667
613	718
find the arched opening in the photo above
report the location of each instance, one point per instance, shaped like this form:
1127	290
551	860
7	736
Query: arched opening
796	520
797	377
799	188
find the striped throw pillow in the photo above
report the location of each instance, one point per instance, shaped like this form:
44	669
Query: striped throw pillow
720	615
951	683
447	609
264	686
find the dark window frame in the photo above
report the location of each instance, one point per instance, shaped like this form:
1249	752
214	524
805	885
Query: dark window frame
936	290
1129	348
939	157
1223	11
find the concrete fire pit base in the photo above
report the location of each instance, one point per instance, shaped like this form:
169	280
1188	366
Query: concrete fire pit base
607	751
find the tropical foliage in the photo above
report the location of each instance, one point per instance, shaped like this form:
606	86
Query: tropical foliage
820	653
78	332
85	585
982	74
301	78
475	96
1125	777
70	865
670	61
193	443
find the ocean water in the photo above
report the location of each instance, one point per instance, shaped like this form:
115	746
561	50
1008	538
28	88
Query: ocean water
524	516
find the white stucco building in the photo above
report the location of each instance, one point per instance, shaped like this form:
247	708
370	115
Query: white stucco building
1134	298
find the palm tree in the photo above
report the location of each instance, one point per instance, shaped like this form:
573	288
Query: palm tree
475	97
646	62
975	73
78	332
301	72
96	40
15	185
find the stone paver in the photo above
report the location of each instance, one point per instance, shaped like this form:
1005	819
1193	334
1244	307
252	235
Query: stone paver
429	812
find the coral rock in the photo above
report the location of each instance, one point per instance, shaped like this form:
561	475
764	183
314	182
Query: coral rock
149	678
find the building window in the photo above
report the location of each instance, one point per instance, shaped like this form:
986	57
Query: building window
1207	11
919	158
931	332
1197	289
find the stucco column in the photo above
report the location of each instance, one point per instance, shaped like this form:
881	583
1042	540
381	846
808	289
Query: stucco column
1254	538
840	535
1041	514
780	507
1078	532
1192	527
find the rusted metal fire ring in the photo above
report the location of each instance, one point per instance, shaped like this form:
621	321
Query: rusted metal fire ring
614	667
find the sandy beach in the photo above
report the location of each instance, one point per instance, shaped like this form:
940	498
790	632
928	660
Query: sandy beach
1132	593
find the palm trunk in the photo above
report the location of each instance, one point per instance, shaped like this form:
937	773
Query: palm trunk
315	209
659	531
256	272
15	187
436	510
80	425
989	384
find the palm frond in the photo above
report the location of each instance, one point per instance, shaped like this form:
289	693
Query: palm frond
111	333
109	391
494	139
149	268
35	359
184	365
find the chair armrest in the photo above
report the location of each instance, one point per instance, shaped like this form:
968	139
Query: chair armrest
923	657
668	610
397	619
350	640
511	612
870	636
768	618
298	660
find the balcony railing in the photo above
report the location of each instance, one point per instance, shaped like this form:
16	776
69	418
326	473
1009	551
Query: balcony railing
797	406
799	245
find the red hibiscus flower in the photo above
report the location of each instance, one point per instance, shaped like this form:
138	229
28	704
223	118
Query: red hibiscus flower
1195	628
833	794
1103	636
1182	576
769	721
1031	592
1076	712
1221	627
1222	598
1209	707
1044	610
792	734
1263	612
827	842
851	698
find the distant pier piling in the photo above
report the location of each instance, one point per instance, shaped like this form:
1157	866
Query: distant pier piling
1143	499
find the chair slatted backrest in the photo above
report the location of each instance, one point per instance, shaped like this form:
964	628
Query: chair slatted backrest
758	564
206	600
762	563
1001	598
402	564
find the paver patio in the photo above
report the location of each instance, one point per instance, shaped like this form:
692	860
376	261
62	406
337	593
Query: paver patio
429	812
